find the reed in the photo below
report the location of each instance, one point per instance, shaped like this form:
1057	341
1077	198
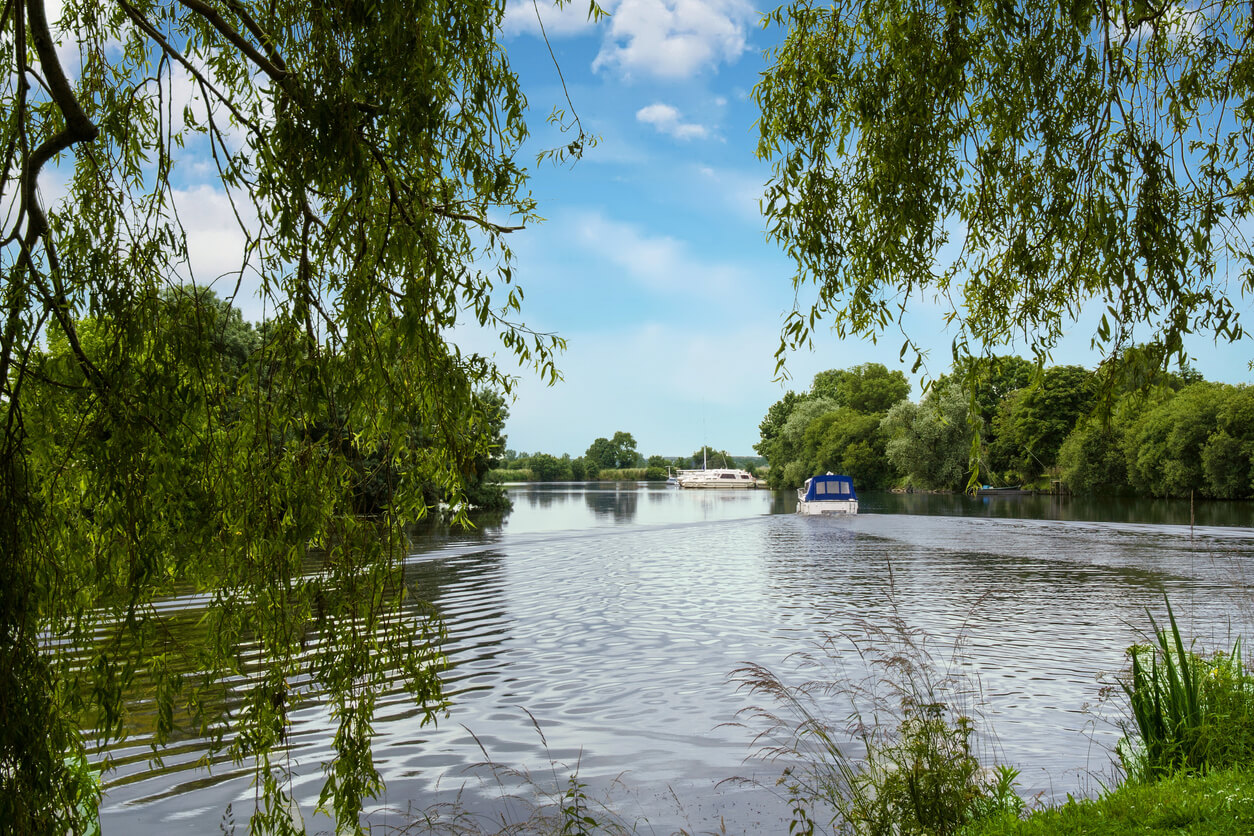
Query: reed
1189	712
901	762
623	474
507	475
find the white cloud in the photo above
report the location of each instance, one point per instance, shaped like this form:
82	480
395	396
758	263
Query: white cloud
525	16
658	263
656	38
215	245
667	120
674	38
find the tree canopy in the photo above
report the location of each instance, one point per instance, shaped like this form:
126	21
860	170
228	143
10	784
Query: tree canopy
1022	164
612	453
867	388
370	158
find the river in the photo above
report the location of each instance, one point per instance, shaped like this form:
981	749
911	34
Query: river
598	627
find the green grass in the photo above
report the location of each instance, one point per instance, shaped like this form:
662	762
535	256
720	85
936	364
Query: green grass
1220	803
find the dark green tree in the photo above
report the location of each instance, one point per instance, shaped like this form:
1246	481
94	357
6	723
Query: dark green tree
776	416
549	468
581	469
844	441
1228	457
788	446
989	380
613	453
1031	423
1091	458
625	445
1164	447
869	388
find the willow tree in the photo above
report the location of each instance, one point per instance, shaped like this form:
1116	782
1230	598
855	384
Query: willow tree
369	153
1025	165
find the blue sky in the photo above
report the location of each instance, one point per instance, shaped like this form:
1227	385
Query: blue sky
652	261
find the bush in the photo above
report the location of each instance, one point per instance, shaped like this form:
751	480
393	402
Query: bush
549	468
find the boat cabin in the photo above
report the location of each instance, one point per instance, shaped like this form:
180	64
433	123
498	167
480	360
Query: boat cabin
828	487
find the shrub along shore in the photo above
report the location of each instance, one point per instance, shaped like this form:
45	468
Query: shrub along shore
1188	751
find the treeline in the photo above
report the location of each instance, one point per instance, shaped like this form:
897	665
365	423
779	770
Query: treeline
614	458
1161	434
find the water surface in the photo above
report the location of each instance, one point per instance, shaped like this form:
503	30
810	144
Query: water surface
598	626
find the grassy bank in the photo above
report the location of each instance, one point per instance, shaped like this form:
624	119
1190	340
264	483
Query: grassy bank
1219	803
1188	749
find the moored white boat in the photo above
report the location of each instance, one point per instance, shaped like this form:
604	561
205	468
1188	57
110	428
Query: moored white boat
719	477
827	494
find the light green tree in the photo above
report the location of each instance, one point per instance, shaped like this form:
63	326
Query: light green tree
930	441
370	156
1023	165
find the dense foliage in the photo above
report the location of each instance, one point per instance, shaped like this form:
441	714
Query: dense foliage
616	452
930	442
151	446
835	426
1177	436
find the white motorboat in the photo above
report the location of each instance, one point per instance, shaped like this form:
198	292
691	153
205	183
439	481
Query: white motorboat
827	494
719	477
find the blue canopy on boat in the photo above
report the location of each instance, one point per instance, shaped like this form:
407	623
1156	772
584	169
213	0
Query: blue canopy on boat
829	486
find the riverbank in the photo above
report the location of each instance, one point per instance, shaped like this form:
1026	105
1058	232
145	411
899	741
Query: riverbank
626	474
1220	803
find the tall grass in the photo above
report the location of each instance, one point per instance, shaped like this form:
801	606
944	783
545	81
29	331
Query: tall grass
624	474
901	761
1189	712
509	475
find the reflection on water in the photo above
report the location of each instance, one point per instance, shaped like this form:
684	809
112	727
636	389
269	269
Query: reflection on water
613	614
